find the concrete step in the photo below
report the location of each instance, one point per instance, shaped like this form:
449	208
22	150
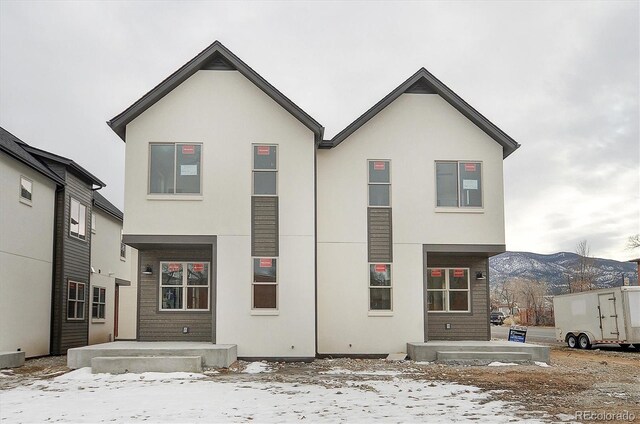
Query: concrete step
483	356
138	364
11	359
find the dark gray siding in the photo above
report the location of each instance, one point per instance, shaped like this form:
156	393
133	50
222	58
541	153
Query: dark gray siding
264	226
155	325
380	239
72	263
464	326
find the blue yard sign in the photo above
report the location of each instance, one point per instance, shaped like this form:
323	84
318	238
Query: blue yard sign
517	334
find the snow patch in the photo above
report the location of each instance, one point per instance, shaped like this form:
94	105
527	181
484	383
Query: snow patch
542	364
502	364
256	368
341	371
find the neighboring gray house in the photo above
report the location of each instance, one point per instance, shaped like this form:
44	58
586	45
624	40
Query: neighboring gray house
47	204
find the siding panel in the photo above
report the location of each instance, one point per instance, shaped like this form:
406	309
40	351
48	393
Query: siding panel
264	226
72	263
464	326
155	325
379	234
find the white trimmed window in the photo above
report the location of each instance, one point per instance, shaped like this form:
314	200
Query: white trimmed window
379	182
77	220
175	168
76	296
265	283
380	298
459	184
448	290
265	170
184	286
98	306
93	223
26	190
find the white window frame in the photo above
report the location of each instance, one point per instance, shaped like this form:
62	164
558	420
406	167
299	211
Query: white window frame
28	202
184	286
81	206
447	290
369	183
175	174
76	300
93	223
254	170
389	287
276	284
460	205
94	303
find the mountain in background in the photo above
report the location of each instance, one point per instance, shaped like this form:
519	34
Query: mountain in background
555	269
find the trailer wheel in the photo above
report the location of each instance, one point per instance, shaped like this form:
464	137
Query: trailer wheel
572	341
583	342
625	346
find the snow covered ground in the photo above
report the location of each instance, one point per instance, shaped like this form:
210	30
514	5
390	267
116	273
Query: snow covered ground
80	396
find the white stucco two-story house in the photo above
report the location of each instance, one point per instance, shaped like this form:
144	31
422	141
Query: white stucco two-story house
253	230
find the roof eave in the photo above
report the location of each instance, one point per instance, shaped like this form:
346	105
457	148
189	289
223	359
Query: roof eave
118	123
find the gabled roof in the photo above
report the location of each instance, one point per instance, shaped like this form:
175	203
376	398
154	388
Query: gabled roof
48	156
103	204
425	83
14	147
214	57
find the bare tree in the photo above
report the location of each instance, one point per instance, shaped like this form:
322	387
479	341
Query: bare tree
584	271
633	242
505	292
532	294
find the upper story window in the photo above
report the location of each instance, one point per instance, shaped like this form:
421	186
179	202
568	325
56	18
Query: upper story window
93	223
184	286
379	183
448	290
459	184
175	168
26	190
78	220
265	170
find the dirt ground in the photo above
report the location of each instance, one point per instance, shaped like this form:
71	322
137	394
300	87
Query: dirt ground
577	380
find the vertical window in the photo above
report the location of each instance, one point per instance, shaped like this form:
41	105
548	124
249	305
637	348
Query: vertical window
26	190
175	168
184	286
265	283
75	300
93	223
99	303
78	220
459	184
265	170
380	287
123	248
379	183
448	290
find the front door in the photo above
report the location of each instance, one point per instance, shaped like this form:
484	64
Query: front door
608	316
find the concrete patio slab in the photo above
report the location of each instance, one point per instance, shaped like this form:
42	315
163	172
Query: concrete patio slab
213	355
139	364
494	350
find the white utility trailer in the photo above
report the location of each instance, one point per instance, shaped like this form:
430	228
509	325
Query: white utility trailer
599	316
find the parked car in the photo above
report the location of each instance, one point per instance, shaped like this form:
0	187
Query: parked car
497	318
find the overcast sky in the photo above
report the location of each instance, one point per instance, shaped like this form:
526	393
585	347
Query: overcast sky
561	78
